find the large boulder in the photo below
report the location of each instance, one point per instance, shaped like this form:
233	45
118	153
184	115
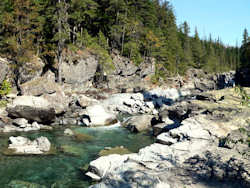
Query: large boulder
123	66
46	87
139	123
58	101
3	69
85	101
77	69
40	85
30	70
97	115
22	145
31	108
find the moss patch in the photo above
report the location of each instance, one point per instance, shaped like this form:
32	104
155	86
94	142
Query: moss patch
70	150
23	184
116	150
80	137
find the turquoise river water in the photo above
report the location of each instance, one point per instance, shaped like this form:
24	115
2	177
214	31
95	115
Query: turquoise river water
63	169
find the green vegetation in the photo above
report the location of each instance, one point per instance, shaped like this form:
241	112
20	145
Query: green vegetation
3	103
245	98
5	88
23	184
137	29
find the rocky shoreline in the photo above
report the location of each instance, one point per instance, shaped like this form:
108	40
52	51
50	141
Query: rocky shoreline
211	142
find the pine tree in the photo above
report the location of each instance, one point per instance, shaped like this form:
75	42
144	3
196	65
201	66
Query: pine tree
245	37
186	44
62	34
81	16
197	50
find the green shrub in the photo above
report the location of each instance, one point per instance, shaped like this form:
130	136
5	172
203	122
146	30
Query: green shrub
245	98
5	88
3	103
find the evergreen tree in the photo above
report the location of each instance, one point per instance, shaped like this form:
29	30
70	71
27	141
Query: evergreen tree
245	37
197	50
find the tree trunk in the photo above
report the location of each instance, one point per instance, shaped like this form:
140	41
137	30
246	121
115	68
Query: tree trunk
60	44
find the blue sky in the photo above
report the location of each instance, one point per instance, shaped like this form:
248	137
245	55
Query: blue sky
222	18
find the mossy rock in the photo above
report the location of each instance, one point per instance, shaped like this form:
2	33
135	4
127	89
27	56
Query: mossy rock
23	184
3	103
85	168
116	150
70	150
81	137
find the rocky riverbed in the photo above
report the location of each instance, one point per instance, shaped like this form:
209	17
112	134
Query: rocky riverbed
123	133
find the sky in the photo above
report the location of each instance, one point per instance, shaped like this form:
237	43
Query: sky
225	19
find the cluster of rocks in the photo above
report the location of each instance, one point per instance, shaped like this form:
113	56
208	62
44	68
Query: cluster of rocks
21	145
22	125
206	145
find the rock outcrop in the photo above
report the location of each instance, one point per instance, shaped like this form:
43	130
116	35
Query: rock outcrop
79	68
32	69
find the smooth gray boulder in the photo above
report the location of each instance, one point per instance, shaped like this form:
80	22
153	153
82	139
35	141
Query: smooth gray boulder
68	132
139	123
97	115
31	108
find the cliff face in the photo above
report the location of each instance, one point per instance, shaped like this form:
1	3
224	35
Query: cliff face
83	70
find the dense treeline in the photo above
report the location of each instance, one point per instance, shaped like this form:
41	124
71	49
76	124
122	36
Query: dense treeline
138	29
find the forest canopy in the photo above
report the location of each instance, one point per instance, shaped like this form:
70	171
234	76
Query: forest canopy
137	29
